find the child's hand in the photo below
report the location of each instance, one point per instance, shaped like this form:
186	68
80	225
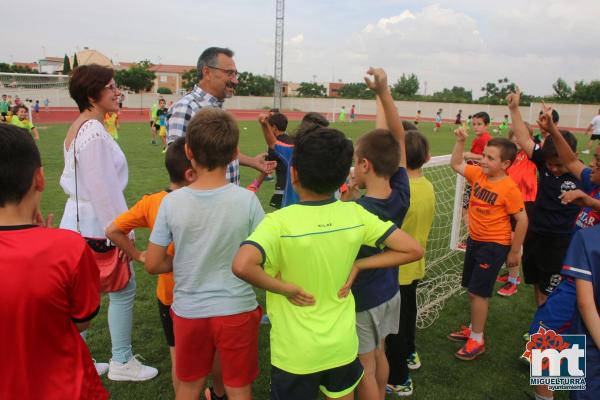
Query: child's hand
513	99
461	134
142	257
577	197
40	221
263	117
545	119
379	82
345	290
513	259
297	296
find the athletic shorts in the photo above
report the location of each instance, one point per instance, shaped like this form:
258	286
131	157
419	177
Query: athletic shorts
166	321
151	124
595	137
543	259
374	324
416	122
162	131
438	124
334	383
483	260
592	374
235	337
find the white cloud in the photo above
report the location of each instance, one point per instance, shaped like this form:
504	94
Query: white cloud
297	39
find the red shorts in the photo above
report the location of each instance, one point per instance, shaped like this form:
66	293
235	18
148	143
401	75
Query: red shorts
438	124
235	337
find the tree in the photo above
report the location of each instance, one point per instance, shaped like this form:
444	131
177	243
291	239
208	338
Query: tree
164	90
137	78
66	65
587	92
562	90
496	93
457	94
75	62
254	85
356	91
309	89
407	86
190	78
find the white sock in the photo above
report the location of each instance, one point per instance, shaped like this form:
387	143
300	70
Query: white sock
478	337
513	279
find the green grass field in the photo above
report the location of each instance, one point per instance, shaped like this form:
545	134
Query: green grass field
496	375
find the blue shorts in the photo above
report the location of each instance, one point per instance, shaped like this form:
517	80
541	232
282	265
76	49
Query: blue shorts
592	374
558	310
483	260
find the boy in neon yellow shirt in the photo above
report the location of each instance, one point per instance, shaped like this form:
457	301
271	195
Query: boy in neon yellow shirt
111	123
153	122
20	120
308	252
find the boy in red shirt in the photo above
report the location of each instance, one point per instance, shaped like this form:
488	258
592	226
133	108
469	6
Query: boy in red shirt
494	199
53	291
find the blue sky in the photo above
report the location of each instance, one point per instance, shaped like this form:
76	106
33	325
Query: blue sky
464	43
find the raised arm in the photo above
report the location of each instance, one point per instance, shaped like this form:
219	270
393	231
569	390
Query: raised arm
520	129
270	138
457	161
567	157
392	119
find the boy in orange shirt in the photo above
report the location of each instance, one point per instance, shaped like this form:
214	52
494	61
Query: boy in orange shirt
494	199
142	215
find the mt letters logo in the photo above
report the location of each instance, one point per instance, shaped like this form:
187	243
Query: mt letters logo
556	360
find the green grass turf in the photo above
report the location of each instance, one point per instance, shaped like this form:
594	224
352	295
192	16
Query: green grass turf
496	375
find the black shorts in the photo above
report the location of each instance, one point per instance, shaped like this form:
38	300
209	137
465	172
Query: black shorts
164	312
595	137
332	382
276	200
543	259
152	124
483	260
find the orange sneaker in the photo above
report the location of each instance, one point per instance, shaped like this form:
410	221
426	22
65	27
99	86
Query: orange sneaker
471	350
507	290
462	334
252	188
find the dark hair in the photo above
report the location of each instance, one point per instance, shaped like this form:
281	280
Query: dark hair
315	118
382	149
549	148
417	149
209	58
484	116
409	126
19	158
88	81
279	120
161	99
555	116
508	150
274	110
176	161
213	137
17	108
322	158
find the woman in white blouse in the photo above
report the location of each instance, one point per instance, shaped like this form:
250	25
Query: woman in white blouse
101	178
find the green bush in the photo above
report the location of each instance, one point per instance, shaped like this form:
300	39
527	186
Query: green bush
164	90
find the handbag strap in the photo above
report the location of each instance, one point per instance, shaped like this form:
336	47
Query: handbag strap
73	144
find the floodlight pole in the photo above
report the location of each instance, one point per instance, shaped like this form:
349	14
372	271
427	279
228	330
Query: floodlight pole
279	13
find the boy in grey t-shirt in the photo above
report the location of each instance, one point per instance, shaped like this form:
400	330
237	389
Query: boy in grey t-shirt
213	310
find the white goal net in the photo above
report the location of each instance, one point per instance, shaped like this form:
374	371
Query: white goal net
443	259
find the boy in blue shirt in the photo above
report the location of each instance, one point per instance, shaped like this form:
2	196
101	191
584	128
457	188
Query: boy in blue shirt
380	168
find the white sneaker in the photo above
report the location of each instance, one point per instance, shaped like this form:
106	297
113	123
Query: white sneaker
101	368
132	370
585	152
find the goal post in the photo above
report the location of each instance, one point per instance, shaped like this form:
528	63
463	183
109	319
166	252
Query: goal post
443	258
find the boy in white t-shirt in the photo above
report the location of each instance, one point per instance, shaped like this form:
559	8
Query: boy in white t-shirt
594	128
213	311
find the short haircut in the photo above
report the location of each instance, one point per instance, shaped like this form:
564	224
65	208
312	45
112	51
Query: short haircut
213	137
88	81
315	118
508	150
163	100
176	161
555	116
484	116
382	149
19	158
417	149
209	58
409	126
549	148
322	158
23	106
278	120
